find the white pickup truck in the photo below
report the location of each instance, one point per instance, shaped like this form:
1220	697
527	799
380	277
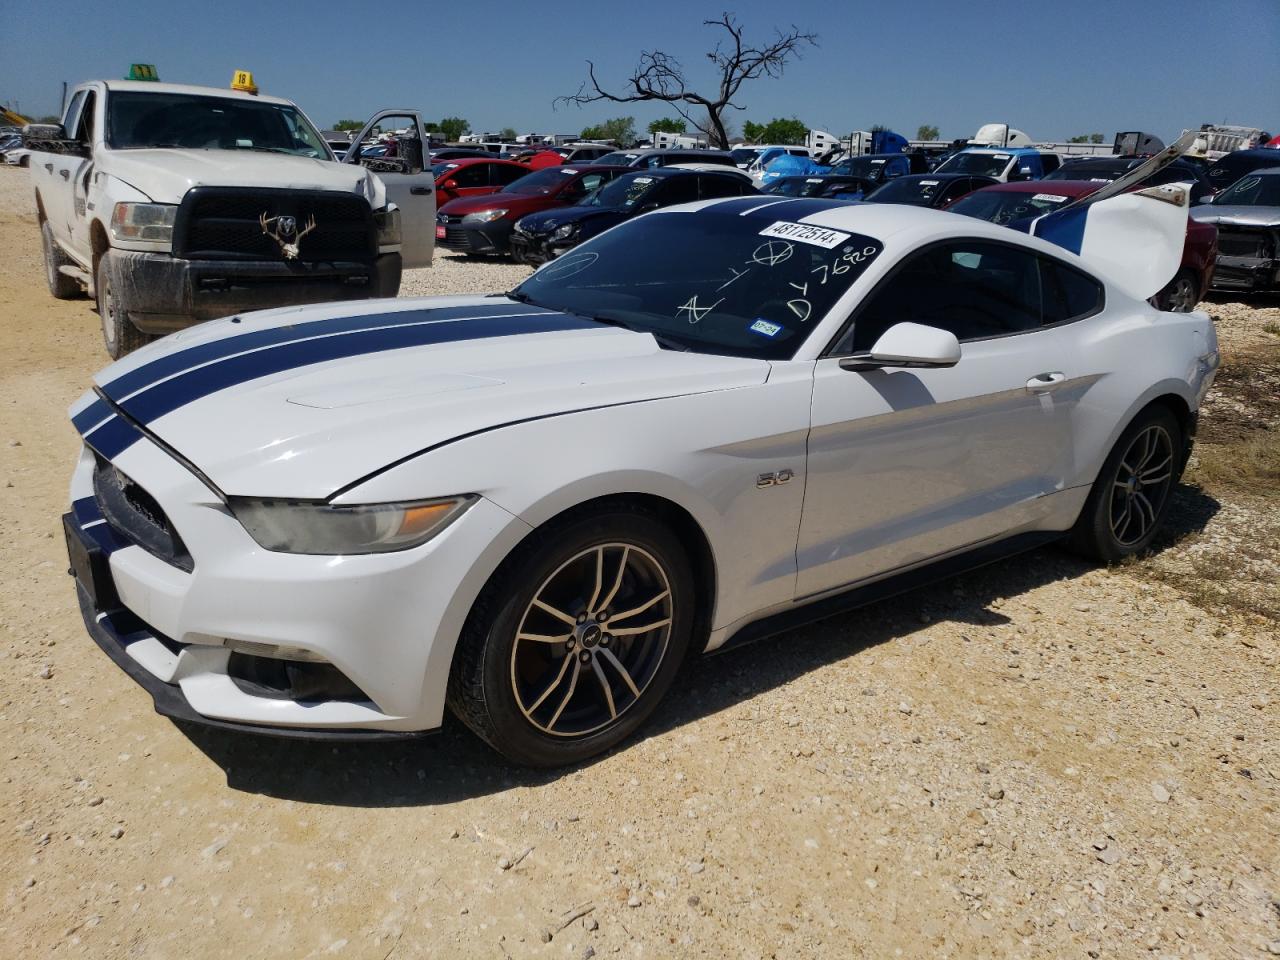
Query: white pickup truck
174	204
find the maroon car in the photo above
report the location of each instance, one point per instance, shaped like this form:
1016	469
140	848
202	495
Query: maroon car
473	177
1008	202
482	225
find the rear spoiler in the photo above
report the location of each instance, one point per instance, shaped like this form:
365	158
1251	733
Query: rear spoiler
1135	240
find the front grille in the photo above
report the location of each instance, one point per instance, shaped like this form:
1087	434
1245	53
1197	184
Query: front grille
1243	243
219	223
135	515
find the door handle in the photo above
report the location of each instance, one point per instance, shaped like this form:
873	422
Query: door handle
421	191
65	174
49	167
1044	382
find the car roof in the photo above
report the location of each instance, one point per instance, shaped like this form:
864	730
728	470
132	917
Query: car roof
472	161
941	176
1066	188
151	86
1009	150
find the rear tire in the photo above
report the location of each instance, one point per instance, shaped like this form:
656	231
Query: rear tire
60	285
582	588
1131	496
118	332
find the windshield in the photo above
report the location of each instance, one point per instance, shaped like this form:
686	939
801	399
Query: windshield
983	164
795	186
743	155
436	168
623	193
146	120
1002	207
618	159
1252	190
713	281
869	168
1092	171
919	192
543	182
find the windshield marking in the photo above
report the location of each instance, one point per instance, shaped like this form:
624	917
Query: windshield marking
772	252
694	311
736	276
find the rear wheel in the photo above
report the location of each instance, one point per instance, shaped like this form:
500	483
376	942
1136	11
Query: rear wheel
60	285
1130	498
118	332
576	640
1180	295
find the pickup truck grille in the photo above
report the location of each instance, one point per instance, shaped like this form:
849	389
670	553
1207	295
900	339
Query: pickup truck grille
223	223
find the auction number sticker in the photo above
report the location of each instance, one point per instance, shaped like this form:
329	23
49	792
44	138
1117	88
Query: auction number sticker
805	233
1049	198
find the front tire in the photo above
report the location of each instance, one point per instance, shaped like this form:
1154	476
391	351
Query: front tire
118	332
576	639
1130	498
60	285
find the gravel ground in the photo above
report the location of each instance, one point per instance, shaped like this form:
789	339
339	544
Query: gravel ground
455	273
1040	759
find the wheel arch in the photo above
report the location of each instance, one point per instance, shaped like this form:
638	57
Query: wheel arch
1175	396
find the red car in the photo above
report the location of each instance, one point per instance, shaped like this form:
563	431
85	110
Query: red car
473	177
482	225
1006	202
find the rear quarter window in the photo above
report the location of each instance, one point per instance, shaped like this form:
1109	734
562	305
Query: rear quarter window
1068	293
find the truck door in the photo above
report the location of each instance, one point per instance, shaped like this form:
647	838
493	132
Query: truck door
82	170
406	173
53	171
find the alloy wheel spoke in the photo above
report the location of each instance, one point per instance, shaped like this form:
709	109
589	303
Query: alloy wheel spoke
604	685
543	638
1146	473
633	631
573	685
640	609
564	668
1118	526
558	614
1147	511
595	594
617	665
617	582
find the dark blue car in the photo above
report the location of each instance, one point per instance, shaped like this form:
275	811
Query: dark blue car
544	236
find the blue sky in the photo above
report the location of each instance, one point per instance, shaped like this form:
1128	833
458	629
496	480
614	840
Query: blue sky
1053	68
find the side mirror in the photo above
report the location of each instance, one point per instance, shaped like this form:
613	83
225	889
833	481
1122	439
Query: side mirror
908	345
450	184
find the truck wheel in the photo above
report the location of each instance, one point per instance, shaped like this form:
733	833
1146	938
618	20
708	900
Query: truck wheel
60	285
118	332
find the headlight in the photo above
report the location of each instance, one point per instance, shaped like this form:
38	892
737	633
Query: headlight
388	223
331	529
484	216
143	221
565	232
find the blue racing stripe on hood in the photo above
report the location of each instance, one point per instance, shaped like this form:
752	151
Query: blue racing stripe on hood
113	437
178	391
180	360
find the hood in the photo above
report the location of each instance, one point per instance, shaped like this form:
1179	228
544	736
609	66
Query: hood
166	175
519	203
302	402
1237	216
548	220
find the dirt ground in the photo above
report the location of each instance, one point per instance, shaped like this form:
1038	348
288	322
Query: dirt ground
1039	759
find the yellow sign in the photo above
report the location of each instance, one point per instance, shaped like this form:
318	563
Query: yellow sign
142	71
242	80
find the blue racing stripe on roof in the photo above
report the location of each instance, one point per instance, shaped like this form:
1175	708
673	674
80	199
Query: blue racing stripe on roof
178	391
180	360
773	208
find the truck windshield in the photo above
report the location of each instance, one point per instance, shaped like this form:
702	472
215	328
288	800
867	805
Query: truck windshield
137	120
869	168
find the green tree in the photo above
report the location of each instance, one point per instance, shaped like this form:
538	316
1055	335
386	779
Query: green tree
454	127
1095	138
926	132
667	125
1079	138
507	133
621	130
781	130
752	132
349	125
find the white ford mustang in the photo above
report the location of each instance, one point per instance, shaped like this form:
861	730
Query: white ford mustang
706	424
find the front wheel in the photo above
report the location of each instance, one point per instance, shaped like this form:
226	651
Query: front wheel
118	332
575	641
1130	498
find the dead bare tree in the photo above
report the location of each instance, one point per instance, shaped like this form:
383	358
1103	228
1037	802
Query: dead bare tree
660	76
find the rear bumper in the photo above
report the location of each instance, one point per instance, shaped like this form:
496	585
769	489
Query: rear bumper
168	293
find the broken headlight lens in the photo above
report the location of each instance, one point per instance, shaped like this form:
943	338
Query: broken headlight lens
290	526
150	222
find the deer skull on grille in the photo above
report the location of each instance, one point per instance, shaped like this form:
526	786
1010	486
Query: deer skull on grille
278	228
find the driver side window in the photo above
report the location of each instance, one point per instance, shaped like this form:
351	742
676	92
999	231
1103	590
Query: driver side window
975	289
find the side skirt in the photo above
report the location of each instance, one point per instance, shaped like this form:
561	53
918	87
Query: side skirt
860	596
